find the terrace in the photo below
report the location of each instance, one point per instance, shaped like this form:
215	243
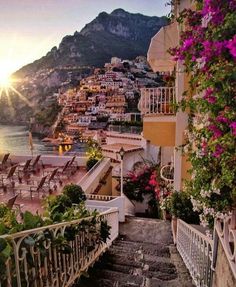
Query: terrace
31	179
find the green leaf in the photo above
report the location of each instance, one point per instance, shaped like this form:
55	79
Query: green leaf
29	241
3	244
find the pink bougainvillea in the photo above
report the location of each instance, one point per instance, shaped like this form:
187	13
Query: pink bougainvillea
208	52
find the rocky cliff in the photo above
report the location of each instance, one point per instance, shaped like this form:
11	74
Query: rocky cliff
119	34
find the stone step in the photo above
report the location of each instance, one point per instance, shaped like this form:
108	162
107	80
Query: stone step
146	230
134	260
147	248
138	260
114	278
166	274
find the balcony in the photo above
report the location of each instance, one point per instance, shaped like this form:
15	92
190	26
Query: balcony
157	101
159	120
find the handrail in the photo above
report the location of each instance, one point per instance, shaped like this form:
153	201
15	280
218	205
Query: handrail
90	180
100	197
196	250
53	267
163	170
129	206
158	100
225	230
90	171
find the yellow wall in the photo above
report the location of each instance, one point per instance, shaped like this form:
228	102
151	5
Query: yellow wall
160	133
115	182
185	175
106	189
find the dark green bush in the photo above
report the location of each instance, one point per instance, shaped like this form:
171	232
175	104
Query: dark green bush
75	193
90	163
181	207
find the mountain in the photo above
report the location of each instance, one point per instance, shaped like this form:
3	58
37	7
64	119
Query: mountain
120	33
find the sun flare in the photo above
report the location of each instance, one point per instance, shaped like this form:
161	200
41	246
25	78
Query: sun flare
5	81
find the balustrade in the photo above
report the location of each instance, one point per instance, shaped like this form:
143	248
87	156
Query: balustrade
225	230
196	251
41	260
157	101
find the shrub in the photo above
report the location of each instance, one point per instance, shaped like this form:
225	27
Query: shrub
91	162
180	206
75	193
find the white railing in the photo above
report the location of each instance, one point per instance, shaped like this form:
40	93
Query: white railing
225	230
157	101
196	250
122	203
38	260
167	174
90	180
100	197
129	207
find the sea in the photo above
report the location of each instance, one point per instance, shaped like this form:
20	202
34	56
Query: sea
15	139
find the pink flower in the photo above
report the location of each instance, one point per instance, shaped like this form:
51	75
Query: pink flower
232	46
187	44
204	147
218	151
222	119
209	97
152	182
216	131
233	127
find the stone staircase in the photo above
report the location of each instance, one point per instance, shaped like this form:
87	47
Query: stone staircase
142	256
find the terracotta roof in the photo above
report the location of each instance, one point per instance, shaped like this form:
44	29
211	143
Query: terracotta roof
115	148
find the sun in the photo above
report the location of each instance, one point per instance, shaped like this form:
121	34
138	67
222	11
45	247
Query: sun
5	80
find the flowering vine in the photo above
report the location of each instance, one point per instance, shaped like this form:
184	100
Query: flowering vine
208	53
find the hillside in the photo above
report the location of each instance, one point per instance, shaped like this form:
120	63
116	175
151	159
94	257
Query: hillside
119	34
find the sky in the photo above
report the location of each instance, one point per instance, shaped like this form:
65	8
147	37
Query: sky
30	28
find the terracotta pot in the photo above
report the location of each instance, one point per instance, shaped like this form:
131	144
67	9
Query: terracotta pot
174	228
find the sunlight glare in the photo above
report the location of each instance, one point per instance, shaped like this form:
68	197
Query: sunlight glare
5	80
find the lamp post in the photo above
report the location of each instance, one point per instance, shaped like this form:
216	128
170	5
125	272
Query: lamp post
121	153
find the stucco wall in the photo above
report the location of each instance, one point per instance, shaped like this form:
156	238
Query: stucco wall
106	189
223	276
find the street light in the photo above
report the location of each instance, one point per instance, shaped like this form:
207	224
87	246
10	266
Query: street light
121	153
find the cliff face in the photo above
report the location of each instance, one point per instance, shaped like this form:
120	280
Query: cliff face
119	34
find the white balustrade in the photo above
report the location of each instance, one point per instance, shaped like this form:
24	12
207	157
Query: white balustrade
167	174
159	100
225	230
196	250
90	180
100	197
44	264
129	206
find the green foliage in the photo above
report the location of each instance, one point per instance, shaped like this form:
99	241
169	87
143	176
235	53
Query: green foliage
75	193
145	183
66	207
180	206
208	54
48	115
91	162
94	153
104	231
